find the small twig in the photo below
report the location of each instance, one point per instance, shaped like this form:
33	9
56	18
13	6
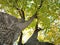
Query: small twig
39	6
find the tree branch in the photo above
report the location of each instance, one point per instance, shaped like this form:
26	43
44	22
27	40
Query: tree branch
21	13
39	8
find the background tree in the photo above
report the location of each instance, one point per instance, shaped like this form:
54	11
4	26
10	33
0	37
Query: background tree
33	39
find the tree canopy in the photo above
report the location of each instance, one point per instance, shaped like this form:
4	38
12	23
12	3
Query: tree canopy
48	17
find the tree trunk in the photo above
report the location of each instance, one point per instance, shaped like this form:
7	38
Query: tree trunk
10	27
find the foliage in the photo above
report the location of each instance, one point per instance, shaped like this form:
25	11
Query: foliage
48	16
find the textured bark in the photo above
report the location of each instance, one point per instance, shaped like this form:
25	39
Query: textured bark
10	28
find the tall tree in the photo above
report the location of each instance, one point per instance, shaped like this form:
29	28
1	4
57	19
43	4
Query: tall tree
33	39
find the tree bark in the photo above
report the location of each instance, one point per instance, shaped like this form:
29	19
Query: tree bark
10	27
